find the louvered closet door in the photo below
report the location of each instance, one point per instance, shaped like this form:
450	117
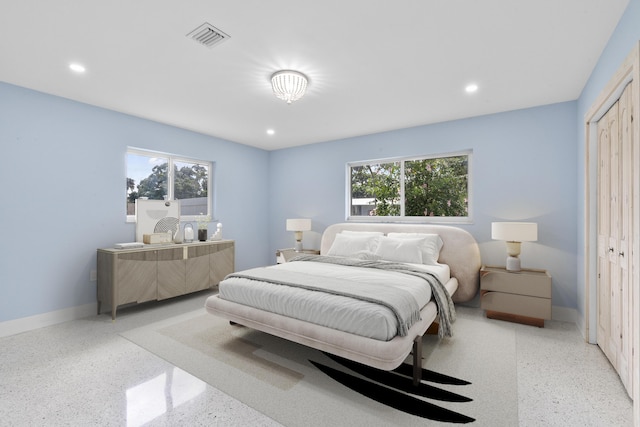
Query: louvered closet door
615	210
607	129
625	236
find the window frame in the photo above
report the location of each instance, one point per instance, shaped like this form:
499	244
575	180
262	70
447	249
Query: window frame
172	159
468	219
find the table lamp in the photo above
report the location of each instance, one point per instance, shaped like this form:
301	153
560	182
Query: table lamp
514	233
298	226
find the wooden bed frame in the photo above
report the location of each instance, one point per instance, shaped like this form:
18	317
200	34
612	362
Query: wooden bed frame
460	251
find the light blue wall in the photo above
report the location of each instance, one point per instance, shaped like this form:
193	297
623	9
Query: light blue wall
63	167
524	168
624	38
63	163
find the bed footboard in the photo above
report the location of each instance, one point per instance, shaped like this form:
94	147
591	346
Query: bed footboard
385	355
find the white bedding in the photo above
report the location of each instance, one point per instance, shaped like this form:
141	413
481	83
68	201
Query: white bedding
338	312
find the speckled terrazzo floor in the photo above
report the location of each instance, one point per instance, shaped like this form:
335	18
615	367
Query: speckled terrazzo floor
84	373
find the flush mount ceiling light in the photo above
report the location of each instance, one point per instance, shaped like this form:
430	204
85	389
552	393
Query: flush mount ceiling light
471	88
289	85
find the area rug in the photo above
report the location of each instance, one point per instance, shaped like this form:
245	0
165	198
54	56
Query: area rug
467	379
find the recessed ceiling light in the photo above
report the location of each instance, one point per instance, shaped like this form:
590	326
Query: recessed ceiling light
78	68
471	88
270	132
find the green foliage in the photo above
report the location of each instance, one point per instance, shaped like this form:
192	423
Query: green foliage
190	181
432	187
155	185
381	182
436	187
132	195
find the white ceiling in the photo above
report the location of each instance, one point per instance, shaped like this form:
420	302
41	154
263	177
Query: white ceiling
373	65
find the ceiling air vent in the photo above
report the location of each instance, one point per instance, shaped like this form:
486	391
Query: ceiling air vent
208	35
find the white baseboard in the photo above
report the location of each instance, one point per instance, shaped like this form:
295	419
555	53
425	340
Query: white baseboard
24	324
564	314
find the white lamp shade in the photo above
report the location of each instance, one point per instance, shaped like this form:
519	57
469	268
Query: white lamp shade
299	224
514	231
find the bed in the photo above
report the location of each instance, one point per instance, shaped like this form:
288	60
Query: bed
457	251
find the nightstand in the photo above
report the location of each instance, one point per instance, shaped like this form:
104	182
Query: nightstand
284	255
522	297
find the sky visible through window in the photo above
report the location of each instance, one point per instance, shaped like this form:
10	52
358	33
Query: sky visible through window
139	167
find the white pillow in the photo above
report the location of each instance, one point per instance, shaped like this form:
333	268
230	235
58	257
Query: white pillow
430	247
400	249
351	245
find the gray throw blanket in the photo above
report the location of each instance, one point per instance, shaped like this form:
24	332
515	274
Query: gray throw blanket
444	303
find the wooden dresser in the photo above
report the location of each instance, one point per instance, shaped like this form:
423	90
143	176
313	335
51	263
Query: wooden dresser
157	272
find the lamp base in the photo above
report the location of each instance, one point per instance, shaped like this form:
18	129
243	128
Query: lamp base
298	245
513	264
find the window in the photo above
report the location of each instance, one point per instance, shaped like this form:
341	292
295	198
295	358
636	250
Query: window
432	189
161	176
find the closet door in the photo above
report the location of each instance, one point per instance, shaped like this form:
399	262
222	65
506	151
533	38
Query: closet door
625	235
607	212
615	231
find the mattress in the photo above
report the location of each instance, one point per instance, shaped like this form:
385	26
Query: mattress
346	314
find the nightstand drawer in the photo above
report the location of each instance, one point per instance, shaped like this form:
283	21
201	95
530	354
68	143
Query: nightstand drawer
535	283
516	304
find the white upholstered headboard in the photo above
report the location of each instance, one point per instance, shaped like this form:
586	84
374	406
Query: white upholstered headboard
460	250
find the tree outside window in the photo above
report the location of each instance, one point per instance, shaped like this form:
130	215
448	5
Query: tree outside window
420	187
437	187
379	185
148	177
